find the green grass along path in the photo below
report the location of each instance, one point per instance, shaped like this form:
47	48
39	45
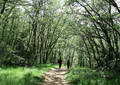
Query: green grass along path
45	74
24	75
48	74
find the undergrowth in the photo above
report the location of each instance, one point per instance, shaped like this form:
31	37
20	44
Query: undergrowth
23	75
87	76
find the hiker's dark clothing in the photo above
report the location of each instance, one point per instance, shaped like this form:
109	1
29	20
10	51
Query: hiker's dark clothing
68	64
60	63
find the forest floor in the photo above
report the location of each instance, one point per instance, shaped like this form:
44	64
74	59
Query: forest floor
55	77
24	75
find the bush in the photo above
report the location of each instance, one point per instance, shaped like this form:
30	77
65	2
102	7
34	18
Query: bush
87	76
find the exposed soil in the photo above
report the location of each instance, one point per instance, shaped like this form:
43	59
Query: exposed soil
55	77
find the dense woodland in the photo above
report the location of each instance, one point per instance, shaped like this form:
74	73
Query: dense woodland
36	32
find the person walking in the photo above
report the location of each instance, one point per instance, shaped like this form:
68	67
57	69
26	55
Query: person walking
60	62
68	64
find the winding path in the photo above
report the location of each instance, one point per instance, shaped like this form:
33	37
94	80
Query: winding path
55	77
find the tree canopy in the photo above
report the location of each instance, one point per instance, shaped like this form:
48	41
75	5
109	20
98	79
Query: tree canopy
40	31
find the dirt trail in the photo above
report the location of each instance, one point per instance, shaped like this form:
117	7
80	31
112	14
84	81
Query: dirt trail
55	77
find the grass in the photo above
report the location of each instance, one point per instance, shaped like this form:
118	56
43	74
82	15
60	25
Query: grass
87	76
23	76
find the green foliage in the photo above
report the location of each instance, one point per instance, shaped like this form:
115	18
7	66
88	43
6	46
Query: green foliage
40	31
23	75
87	76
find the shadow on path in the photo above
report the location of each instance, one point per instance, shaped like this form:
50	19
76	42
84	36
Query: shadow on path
55	77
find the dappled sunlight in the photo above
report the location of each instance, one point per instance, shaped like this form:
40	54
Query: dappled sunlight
23	75
59	42
55	77
87	76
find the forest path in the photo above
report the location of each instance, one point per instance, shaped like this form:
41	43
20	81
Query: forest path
55	77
